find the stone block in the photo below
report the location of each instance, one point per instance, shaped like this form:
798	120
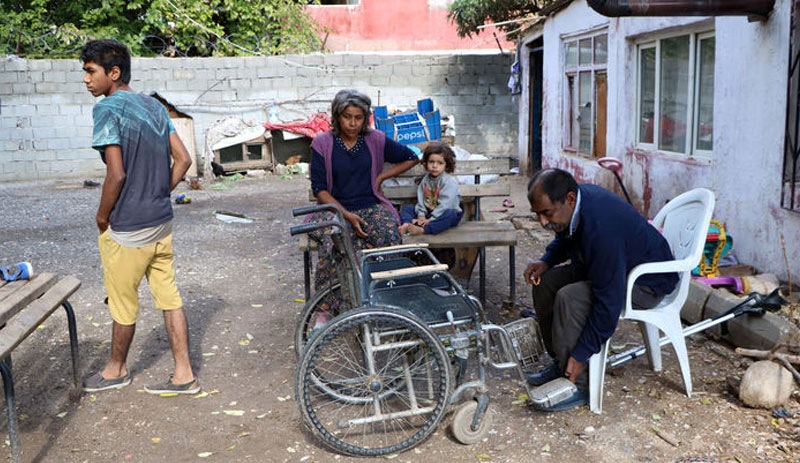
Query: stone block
14	63
692	311
353	60
9	78
750	331
22	88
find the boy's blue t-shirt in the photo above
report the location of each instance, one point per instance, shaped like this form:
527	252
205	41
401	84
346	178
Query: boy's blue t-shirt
141	126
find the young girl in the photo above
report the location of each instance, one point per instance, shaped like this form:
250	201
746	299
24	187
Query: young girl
437	207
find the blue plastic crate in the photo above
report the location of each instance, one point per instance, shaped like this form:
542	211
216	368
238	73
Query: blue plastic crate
410	127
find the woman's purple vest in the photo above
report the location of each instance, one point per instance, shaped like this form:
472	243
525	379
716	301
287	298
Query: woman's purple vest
376	142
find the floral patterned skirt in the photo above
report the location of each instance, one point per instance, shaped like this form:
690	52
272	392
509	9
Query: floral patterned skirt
381	230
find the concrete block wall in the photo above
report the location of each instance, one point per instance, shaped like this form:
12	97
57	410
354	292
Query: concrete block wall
46	112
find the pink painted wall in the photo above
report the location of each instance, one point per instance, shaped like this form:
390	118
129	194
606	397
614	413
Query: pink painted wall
390	25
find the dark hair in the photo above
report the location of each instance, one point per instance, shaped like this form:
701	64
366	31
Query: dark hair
438	147
342	100
108	53
555	183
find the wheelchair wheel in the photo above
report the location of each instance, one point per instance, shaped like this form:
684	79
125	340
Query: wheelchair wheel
462	424
329	299
373	382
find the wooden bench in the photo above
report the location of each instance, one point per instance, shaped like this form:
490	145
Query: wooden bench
472	233
24	305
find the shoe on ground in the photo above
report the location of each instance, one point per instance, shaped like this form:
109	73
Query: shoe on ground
97	383
545	375
20	271
579	398
168	387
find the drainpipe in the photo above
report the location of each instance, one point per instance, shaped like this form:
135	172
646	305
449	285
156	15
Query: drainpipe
756	9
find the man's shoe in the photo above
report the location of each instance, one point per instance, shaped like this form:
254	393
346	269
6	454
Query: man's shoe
168	387
20	271
97	383
579	398
546	375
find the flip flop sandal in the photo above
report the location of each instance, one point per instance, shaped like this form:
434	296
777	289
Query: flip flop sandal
20	271
508	202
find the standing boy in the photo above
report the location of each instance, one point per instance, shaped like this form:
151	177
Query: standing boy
145	160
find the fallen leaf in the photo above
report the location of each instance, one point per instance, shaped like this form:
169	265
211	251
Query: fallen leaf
244	342
62	414
291	450
546	448
300	300
208	354
155	439
256	305
205	454
483	456
233	412
249	336
200	395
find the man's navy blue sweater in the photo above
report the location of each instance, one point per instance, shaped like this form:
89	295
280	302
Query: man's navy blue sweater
610	240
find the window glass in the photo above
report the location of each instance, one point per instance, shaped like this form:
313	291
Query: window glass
601	49
647	93
571	54
585	52
705	95
674	89
585	111
571	131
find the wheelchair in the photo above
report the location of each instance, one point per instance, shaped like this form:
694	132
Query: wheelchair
401	345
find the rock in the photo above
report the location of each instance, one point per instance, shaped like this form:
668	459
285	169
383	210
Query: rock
765	385
257	173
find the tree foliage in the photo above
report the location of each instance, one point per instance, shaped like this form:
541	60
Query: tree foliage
468	15
52	28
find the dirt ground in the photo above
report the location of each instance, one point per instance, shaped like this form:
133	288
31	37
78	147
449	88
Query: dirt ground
242	288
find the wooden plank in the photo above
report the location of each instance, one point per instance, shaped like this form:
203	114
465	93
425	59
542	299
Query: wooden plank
466	234
470	234
23	323
466	191
17	294
497	166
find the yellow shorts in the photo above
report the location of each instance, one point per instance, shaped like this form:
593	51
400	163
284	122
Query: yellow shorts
123	269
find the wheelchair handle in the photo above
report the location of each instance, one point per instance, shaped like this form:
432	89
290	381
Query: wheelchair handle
304	210
309	227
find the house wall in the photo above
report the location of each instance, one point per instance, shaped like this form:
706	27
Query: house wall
389	25
745	172
46	112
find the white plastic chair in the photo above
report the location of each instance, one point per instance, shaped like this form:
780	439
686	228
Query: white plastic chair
684	223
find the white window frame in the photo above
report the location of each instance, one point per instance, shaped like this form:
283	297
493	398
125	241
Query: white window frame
570	125
693	96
